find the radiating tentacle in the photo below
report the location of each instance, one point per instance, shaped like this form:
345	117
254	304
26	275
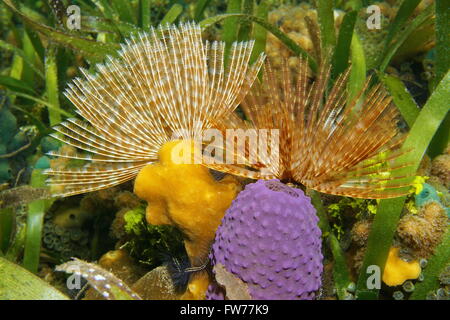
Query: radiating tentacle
329	141
165	84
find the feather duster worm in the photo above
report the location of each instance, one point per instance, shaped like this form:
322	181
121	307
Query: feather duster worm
166	84
328	141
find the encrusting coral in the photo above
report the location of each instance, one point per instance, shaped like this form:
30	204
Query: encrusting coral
422	232
440	167
417	234
293	21
300	23
68	230
270	239
360	232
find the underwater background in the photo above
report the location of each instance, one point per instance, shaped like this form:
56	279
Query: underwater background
356	202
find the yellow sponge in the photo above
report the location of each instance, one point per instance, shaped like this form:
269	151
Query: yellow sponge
398	271
186	196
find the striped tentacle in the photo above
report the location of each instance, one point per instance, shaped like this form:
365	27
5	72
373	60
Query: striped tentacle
165	84
329	141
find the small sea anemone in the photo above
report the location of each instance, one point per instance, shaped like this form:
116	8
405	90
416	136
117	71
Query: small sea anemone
269	238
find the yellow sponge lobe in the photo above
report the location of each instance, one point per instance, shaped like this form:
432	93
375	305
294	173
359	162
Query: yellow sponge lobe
398	271
186	196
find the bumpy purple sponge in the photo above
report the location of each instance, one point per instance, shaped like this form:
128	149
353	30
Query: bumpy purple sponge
270	239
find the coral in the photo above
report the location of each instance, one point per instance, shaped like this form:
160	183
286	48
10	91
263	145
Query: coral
291	19
443	192
77	227
65	231
397	271
421	233
186	196
360	232
269	238
440	167
373	40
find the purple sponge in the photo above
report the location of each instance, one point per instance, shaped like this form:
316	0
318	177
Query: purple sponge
270	239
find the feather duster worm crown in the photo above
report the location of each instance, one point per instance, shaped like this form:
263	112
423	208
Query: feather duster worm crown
328	141
166	83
